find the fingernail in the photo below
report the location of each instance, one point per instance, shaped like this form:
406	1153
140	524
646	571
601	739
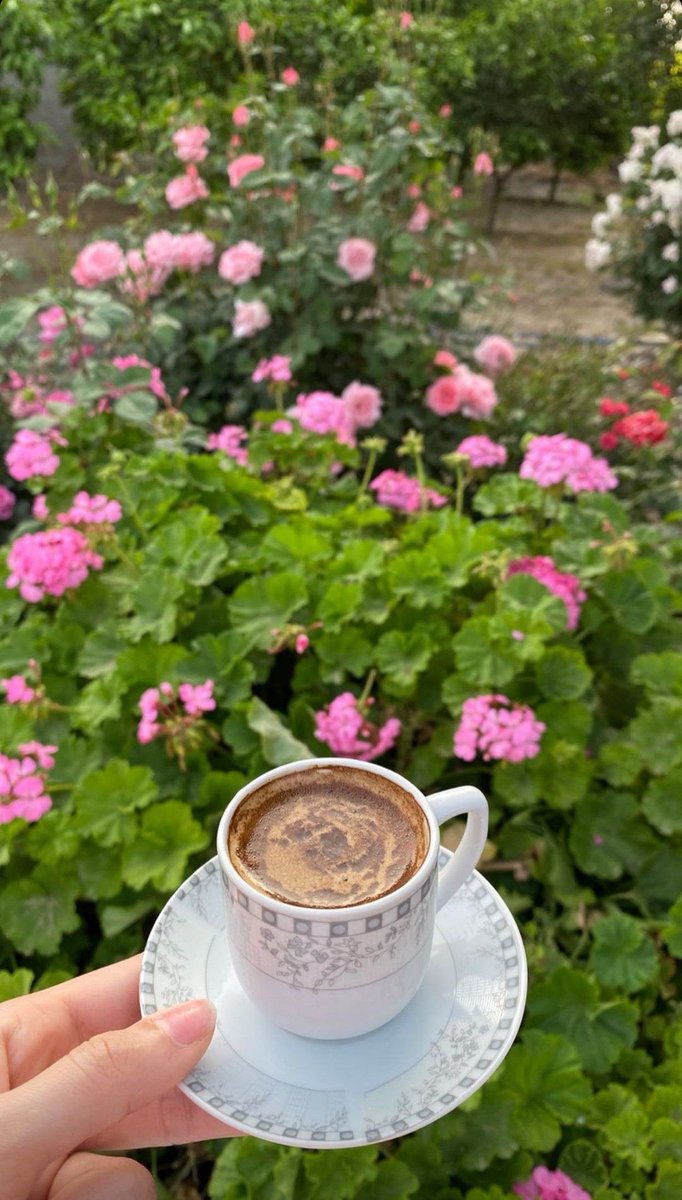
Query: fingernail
187	1023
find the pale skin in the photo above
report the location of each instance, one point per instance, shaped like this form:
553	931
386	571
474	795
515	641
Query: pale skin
79	1071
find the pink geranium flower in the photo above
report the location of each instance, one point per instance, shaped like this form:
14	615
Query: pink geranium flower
444	396
550	1185
50	563
482	451
31	454
290	77
495	353
496	728
277	368
242	166
356	256
98	263
241	116
345	729
17	690
197	699
185	189
556	458
483	164
362	403
91	510
52	322
397	490
22	787
245	33
189	143
331	144
322	412
7	502
250	316
444	358
241	262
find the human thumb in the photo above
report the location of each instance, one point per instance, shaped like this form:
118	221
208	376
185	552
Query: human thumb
99	1083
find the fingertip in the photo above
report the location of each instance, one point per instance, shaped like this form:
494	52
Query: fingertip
188	1023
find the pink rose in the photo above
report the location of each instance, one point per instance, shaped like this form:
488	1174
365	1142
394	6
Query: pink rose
241	116
241	262
250	316
414	126
290	76
419	219
159	249
242	166
483	164
97	263
456	193
348	170
356	257
245	33
444	396
413	190
141	279
495	354
331	144
189	143
192	251
362	403
445	110
185	189
478	395
405	20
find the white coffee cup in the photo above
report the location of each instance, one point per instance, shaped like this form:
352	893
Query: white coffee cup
341	972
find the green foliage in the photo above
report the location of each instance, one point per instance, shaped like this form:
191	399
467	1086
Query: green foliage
23	40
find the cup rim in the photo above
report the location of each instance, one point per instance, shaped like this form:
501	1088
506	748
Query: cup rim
347	912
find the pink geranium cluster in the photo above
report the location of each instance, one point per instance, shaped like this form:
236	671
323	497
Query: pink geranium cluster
164	713
229	439
50	563
22	782
496	728
277	369
560	583
123	362
28	397
463	391
482	451
556	458
550	1185
403	492
358	407
343	726
17	690
185	189
495	353
32	454
7	502
91	510
241	262
190	143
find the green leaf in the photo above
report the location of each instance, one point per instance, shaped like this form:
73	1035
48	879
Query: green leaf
338	1176
607	836
104	801
661	803
403	656
619	763
154	603
567	1001
168	835
660	674
480	659
631	603
340	602
264	603
544	1080
524	593
278	743
622	957
190	543
656	734
114	918
14	316
348	650
672	930
98	702
583	1163
15	983
136	408
505	494
295	542
563	674
393	1181
36	913
100	651
668	1182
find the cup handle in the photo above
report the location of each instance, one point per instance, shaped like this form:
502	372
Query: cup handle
455	802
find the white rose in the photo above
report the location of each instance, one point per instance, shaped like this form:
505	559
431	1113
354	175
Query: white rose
671	252
669	285
629	170
674	123
597	253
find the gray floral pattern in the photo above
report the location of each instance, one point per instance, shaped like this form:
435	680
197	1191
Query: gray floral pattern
422	1065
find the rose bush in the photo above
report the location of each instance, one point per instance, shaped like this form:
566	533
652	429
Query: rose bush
181	610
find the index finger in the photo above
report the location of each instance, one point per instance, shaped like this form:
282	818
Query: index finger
37	1030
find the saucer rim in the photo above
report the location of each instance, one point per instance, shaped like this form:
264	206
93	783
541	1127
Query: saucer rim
306	1143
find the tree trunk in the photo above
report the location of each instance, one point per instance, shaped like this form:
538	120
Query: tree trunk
497	184
553	185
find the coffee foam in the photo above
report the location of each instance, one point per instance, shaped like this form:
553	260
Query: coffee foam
327	837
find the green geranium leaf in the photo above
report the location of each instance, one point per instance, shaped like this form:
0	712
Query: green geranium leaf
545	1082
656	734
114	918
100	651
563	674
98	702
136	408
668	1182
278	743
505	494
347	650
340	1175
481	659
36	913
15	983
155	604
660	674
607	836
167	836
631	603
14	316
266	603
662	803
104	801
295	542
665	1139
619	763
524	593
340	603
622	957
672	930
567	1001
583	1163
403	656
192	544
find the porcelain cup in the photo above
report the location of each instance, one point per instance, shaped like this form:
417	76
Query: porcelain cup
342	972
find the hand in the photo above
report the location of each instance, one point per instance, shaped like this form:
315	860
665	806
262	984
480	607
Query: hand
79	1071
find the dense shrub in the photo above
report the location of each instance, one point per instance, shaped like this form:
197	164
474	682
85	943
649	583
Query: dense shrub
23	40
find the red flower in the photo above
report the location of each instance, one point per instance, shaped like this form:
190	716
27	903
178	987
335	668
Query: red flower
622	373
613	408
662	389
642	428
608	441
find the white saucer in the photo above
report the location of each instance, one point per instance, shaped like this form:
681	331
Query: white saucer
318	1094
